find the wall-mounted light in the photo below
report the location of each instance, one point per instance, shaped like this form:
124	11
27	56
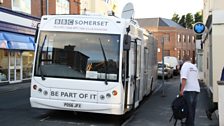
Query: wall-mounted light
1	1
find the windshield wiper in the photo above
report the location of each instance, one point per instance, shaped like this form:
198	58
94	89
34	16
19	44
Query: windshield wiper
105	60
40	59
41	73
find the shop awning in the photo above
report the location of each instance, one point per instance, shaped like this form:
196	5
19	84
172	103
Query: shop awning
18	41
1	36
3	42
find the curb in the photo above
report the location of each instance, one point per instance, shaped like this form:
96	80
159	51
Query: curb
13	87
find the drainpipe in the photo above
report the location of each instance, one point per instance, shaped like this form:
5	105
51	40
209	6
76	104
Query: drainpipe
47	5
41	8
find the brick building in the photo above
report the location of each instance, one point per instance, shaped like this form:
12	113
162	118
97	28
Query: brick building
177	40
42	7
18	21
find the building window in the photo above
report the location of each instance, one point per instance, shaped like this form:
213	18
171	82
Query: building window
22	6
188	52
179	38
4	65
193	39
167	37
184	39
62	7
188	38
184	52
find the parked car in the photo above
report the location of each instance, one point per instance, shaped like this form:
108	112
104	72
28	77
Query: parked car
168	70
173	61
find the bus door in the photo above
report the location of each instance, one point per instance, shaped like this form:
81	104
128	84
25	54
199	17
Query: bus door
137	73
146	71
134	60
128	75
126	78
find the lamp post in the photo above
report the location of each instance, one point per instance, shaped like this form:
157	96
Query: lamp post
163	84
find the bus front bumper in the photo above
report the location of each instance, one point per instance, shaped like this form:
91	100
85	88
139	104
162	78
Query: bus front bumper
115	109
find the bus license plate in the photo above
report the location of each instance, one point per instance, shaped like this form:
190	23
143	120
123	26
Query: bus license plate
72	105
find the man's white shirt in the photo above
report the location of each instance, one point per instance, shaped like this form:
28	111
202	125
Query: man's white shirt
190	72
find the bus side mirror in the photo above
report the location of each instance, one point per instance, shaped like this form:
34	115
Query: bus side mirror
127	42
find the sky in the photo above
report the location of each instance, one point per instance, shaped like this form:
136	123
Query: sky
162	8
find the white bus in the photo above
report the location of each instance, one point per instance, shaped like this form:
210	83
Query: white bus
99	64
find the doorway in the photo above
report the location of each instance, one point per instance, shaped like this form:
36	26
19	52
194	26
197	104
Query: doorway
15	67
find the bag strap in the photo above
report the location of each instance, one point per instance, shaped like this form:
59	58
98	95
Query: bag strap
171	118
175	122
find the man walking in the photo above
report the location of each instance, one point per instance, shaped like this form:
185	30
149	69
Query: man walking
189	88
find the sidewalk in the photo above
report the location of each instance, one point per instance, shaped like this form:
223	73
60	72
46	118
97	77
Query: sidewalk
12	87
156	110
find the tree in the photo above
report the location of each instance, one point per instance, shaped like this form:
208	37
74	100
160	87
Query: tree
198	17
182	21
189	21
175	18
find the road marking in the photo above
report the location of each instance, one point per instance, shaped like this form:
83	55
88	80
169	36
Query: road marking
45	118
61	122
128	120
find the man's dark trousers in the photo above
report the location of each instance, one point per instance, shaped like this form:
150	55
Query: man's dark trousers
191	98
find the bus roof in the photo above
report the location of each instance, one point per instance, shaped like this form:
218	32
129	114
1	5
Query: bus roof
84	23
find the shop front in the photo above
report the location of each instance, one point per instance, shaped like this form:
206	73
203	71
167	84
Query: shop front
16	54
16	46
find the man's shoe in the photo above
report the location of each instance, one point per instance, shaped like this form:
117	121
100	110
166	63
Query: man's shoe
209	115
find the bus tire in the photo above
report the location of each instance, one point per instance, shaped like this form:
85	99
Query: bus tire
151	90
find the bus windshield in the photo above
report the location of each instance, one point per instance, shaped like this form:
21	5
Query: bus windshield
78	56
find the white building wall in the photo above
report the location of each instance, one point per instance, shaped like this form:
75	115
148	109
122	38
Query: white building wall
206	9
214	44
98	6
217	4
217	47
206	62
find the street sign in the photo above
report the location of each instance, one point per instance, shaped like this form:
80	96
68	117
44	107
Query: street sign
199	28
